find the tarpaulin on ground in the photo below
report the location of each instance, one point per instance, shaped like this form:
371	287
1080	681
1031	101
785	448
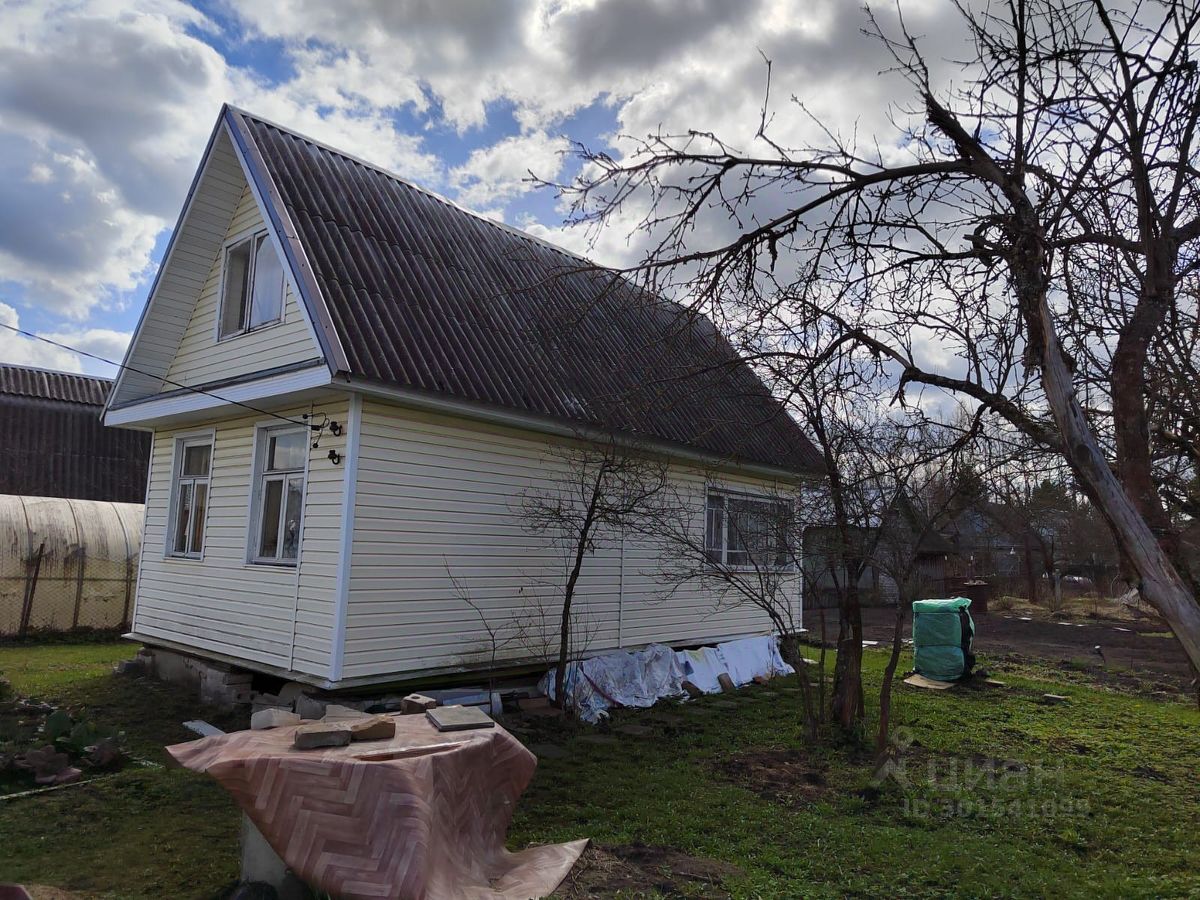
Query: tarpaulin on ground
750	657
641	678
638	678
421	815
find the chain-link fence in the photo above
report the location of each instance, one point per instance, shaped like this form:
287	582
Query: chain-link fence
67	564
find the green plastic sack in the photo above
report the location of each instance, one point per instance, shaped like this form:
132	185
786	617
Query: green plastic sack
943	638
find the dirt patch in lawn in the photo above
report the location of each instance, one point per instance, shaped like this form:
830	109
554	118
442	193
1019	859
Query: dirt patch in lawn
781	776
636	870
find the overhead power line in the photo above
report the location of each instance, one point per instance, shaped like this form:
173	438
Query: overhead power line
187	387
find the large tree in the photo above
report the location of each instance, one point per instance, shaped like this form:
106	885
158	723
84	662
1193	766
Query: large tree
1025	242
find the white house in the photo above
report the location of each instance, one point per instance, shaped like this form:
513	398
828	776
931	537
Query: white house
441	358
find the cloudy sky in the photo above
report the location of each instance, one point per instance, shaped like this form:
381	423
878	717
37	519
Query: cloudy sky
105	107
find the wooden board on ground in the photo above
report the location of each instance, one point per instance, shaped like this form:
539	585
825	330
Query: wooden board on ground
459	718
928	683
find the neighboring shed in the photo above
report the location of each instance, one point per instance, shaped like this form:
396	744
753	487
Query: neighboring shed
53	443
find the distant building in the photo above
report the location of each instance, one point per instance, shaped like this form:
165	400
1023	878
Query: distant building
995	541
901	542
53	444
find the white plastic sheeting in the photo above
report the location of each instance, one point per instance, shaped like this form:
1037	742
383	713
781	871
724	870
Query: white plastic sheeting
641	678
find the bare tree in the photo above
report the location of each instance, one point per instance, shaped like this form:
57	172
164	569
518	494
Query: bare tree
899	552
593	491
1038	223
738	548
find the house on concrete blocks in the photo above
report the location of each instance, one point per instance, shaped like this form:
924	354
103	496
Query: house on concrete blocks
351	383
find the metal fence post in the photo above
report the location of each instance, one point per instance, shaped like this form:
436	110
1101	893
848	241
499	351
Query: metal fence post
81	558
128	589
31	580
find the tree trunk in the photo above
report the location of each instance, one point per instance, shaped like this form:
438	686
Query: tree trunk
564	630
847	667
1160	584
889	677
1030	576
789	649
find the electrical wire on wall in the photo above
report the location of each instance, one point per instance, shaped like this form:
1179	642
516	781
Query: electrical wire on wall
305	420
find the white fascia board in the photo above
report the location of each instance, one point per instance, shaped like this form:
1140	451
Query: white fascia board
148	412
547	425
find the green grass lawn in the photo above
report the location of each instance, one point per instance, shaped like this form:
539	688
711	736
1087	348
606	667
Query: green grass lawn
997	795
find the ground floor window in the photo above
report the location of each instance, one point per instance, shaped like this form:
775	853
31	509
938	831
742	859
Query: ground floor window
747	531
189	496
278	495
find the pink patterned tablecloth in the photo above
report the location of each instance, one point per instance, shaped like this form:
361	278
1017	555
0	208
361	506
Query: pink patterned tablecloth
422	816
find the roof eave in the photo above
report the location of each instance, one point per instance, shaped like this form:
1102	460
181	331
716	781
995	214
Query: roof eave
548	425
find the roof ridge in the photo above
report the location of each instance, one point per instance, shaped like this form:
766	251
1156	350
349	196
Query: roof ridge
400	179
62	372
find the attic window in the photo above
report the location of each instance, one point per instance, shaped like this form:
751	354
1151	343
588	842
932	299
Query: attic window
252	293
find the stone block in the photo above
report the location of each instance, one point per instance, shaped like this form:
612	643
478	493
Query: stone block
459	718
417	703
335	711
273	717
290	692
321	734
132	668
310	707
374	728
726	683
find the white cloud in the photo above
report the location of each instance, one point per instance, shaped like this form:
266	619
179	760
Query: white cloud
105	108
499	173
105	105
100	342
16	349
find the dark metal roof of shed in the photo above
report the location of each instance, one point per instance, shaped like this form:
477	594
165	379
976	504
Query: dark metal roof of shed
422	294
44	384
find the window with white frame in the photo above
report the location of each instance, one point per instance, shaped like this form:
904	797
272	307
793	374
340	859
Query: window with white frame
189	496
746	531
278	495
252	292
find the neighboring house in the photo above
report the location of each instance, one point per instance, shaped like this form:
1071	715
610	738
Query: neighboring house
902	544
446	357
53	444
995	541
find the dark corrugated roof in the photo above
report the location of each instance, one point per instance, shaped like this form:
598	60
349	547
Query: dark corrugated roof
425	295
22	381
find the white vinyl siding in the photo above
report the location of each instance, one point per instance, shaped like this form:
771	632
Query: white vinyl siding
201	358
222	604
185	272
440	497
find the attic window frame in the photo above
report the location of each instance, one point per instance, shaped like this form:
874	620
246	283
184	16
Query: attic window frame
249	236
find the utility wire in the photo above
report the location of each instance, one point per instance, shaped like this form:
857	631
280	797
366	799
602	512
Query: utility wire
186	387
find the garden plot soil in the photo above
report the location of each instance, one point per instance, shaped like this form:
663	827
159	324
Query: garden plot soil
637	870
1142	659
781	776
